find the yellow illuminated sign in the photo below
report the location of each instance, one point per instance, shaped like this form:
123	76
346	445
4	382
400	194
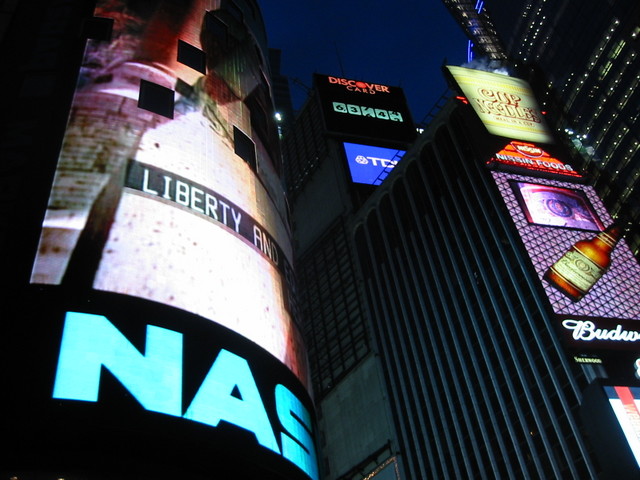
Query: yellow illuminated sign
506	105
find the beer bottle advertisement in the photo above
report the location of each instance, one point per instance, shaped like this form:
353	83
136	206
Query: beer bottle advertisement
589	274
584	264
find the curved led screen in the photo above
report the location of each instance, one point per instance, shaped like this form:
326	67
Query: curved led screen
163	272
167	186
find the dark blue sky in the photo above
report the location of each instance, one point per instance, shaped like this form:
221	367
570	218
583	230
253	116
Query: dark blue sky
399	43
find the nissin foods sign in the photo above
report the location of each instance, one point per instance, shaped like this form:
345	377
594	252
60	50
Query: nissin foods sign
227	393
364	109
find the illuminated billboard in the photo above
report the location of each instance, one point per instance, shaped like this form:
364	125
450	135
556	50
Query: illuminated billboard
625	402
364	109
370	165
528	158
181	207
590	275
167	192
505	105
556	206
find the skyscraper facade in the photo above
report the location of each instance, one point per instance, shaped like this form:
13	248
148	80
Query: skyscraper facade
486	372
583	60
480	385
486	366
336	152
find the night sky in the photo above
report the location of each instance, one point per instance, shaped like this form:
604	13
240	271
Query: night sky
401	43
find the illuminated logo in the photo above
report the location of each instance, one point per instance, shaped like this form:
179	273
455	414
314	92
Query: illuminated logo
533	158
228	391
585	359
505	104
528	149
376	161
370	164
359	86
586	330
367	112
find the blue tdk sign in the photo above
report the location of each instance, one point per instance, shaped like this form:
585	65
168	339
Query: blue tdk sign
371	165
228	392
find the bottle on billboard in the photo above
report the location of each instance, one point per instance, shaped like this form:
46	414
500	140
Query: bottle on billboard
582	266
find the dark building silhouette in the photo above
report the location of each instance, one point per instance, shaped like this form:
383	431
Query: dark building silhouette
326	186
480	377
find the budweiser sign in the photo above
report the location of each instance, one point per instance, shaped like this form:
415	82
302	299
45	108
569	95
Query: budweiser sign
600	333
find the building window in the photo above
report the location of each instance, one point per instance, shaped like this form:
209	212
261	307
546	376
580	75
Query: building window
191	56
97	28
244	147
156	98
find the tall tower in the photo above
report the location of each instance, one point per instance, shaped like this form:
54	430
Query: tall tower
346	140
486	375
162	284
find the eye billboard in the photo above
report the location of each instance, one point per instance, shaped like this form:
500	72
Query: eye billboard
167	193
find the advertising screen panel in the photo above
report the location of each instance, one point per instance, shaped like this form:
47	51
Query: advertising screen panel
506	105
528	158
370	165
364	109
625	402
163	272
590	275
119	387
167	184
556	206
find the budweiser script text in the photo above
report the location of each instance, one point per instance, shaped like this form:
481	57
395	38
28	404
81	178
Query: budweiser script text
586	330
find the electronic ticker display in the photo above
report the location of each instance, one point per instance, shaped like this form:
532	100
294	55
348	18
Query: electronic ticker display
159	389
363	109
